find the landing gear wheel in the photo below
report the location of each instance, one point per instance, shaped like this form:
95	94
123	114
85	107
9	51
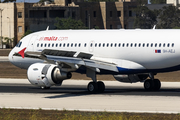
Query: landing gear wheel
92	87
101	86
157	84
43	87
148	85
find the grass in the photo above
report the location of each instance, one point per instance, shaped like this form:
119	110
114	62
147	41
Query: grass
21	114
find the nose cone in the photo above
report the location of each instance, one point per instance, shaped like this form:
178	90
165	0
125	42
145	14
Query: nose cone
11	56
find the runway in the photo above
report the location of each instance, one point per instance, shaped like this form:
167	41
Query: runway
72	95
4	59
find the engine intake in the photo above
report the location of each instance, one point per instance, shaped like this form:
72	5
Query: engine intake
132	78
46	75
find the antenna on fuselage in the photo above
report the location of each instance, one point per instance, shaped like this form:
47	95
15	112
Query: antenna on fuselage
154	27
47	28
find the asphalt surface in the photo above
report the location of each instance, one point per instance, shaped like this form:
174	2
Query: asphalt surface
4	59
75	89
73	95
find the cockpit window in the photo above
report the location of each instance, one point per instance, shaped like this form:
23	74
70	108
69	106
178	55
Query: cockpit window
19	44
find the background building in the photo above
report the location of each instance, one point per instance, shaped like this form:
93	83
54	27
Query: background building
17	18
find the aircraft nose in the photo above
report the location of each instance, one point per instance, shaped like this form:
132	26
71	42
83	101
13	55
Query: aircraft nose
11	56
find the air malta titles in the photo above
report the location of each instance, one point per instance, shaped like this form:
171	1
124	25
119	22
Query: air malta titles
53	38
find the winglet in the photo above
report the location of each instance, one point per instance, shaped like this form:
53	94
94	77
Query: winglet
154	27
22	52
47	28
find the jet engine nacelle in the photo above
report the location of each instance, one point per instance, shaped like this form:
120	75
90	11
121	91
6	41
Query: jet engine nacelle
46	75
132	78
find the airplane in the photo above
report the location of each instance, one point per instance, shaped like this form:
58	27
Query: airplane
129	55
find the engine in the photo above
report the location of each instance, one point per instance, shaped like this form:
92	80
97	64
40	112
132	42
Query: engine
46	75
132	78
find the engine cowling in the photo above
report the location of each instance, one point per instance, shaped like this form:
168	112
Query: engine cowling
46	75
132	78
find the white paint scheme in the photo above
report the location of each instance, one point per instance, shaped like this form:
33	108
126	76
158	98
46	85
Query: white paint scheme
141	56
124	58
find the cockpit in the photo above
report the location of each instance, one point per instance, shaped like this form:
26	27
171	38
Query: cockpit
19	44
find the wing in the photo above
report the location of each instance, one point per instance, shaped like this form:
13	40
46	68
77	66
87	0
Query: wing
71	59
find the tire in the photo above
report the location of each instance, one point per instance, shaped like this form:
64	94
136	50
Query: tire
44	88
157	84
148	85
101	86
92	87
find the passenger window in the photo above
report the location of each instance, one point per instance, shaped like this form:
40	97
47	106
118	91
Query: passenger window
159	44
103	44
96	45
49	45
99	44
41	45
131	44
168	45
151	44
115	45
156	45
60	45
148	45
52	45
127	45
85	45
90	45
135	45
45	45
79	44
164	45
64	45
143	44
111	44
139	44
71	44
123	45
56	45
119	44
107	44
68	45
38	45
76	44
172	44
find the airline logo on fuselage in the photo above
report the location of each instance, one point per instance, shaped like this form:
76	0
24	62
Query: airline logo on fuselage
53	38
165	51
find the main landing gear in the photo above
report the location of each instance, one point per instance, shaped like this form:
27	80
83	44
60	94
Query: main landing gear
94	87
152	84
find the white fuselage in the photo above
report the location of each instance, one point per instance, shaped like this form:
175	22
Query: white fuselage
148	50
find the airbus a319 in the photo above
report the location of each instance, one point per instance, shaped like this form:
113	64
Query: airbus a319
129	55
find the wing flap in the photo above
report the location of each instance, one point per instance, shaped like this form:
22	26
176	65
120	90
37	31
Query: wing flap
58	53
85	62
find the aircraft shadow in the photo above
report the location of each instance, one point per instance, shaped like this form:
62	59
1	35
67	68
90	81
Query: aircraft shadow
75	91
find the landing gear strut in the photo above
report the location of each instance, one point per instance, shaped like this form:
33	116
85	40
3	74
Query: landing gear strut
152	84
94	86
